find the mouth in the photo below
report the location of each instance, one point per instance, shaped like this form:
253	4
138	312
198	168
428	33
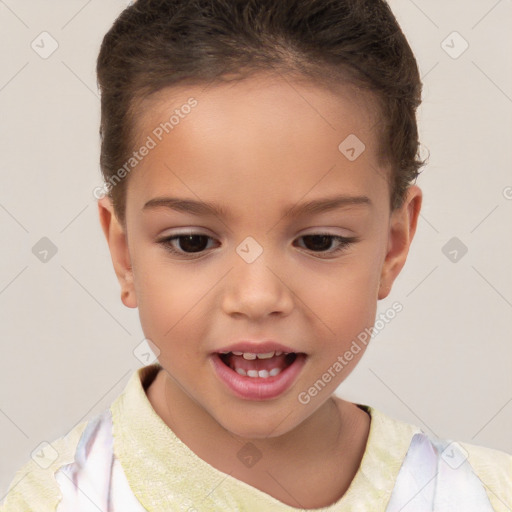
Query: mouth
263	365
258	375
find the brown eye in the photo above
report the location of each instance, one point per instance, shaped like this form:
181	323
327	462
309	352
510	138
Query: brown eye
186	244
318	242
322	243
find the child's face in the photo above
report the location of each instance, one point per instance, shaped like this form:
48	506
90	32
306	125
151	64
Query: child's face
255	149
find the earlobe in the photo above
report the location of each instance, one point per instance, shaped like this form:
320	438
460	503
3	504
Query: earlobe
118	245
401	233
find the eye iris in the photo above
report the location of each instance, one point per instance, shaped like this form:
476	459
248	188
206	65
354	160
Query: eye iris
190	243
324	241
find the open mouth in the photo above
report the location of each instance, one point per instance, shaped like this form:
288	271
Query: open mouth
262	366
258	375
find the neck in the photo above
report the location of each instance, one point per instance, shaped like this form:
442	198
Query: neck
325	450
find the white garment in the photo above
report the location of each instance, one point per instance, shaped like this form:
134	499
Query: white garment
96	481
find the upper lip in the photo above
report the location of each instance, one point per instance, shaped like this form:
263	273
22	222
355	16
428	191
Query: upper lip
257	347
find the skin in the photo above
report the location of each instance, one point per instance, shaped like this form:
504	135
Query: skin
257	147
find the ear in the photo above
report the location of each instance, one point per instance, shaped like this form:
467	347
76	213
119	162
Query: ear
401	232
118	245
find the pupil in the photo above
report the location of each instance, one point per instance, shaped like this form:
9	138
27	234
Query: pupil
189	243
324	241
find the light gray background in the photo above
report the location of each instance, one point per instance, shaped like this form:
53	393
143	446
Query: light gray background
444	363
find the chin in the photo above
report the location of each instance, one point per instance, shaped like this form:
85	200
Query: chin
256	425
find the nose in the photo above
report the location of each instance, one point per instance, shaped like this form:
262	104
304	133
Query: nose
258	289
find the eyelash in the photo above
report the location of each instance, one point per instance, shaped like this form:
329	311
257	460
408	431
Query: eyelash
344	243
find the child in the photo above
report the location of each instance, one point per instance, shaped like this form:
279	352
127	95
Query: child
282	136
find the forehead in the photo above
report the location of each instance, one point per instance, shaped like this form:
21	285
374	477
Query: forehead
267	133
335	104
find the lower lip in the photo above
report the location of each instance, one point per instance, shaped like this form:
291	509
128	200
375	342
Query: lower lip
257	388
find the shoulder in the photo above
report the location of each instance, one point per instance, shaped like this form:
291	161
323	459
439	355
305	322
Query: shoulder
34	486
445	472
494	469
80	468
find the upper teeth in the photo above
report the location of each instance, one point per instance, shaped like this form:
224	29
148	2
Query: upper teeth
252	355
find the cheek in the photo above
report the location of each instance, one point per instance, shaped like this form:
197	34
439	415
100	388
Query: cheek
345	307
169	297
342	297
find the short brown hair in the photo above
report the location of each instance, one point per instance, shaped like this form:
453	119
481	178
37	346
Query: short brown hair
155	44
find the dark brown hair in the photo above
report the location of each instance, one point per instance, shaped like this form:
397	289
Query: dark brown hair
155	44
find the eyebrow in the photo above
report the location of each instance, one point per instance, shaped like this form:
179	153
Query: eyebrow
207	208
